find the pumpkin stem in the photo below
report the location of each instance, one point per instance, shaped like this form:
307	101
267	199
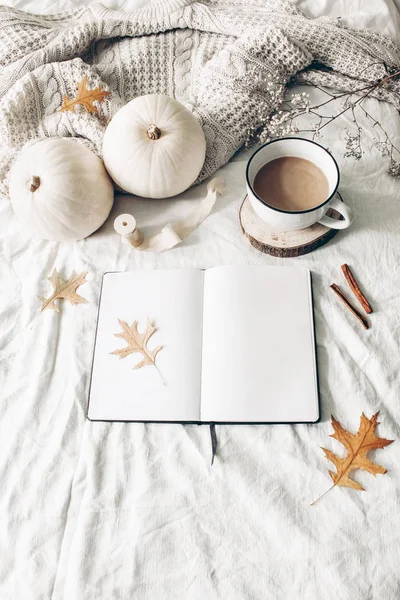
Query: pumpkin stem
153	132
34	183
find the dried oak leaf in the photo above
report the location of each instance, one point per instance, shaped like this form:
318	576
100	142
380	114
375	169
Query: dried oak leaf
85	97
64	289
357	446
137	342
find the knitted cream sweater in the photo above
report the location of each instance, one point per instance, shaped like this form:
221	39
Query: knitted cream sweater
224	59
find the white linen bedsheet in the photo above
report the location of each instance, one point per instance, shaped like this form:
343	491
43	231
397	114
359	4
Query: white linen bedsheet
93	511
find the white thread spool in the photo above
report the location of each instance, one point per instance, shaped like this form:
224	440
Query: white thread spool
125	225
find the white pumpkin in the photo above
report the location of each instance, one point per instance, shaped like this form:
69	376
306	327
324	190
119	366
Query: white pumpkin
60	190
154	147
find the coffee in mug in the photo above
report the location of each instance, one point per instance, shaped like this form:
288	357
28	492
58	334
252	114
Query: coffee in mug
292	183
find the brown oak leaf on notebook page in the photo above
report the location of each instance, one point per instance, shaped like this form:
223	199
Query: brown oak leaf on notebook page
85	98
64	289
137	342
357	446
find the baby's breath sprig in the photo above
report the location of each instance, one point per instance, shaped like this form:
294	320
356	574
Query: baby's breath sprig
284	121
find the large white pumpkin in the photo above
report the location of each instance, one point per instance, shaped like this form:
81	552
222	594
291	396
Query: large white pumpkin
154	147
60	190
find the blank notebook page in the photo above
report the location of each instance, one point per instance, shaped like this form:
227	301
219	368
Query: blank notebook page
258	346
173	301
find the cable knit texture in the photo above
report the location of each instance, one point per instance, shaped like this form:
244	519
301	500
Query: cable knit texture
217	57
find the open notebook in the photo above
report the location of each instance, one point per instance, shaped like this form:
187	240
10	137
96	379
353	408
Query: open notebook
238	347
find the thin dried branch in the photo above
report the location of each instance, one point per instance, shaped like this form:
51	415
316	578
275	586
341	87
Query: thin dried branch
284	121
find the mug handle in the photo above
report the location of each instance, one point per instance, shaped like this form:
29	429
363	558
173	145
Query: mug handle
341	208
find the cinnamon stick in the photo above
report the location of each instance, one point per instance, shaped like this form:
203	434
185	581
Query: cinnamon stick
351	280
351	308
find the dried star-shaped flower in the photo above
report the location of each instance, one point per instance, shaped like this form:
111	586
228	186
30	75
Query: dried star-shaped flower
64	289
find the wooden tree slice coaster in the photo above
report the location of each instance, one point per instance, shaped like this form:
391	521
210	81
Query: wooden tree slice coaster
283	244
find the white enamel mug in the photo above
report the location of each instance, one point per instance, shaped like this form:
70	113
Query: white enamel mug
290	220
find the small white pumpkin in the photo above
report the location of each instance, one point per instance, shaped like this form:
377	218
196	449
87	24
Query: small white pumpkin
154	147
60	190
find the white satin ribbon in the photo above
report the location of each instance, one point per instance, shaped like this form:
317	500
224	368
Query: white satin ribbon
171	234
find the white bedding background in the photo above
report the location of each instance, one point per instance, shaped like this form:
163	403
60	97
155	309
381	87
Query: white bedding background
92	511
